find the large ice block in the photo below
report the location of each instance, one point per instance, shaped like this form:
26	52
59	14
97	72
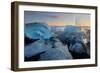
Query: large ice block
58	52
37	30
35	48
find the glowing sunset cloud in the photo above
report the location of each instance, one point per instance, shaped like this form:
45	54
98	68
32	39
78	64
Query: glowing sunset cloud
59	23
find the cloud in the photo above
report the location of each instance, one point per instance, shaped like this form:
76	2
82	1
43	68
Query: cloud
55	16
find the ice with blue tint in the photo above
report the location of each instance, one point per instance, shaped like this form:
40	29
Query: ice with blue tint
53	54
64	48
49	46
78	48
59	52
37	30
35	48
71	34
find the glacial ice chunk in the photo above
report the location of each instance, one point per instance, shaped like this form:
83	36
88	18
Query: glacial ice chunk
37	30
35	48
78	48
58	52
71	34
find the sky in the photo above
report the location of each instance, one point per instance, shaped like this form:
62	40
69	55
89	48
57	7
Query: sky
57	18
